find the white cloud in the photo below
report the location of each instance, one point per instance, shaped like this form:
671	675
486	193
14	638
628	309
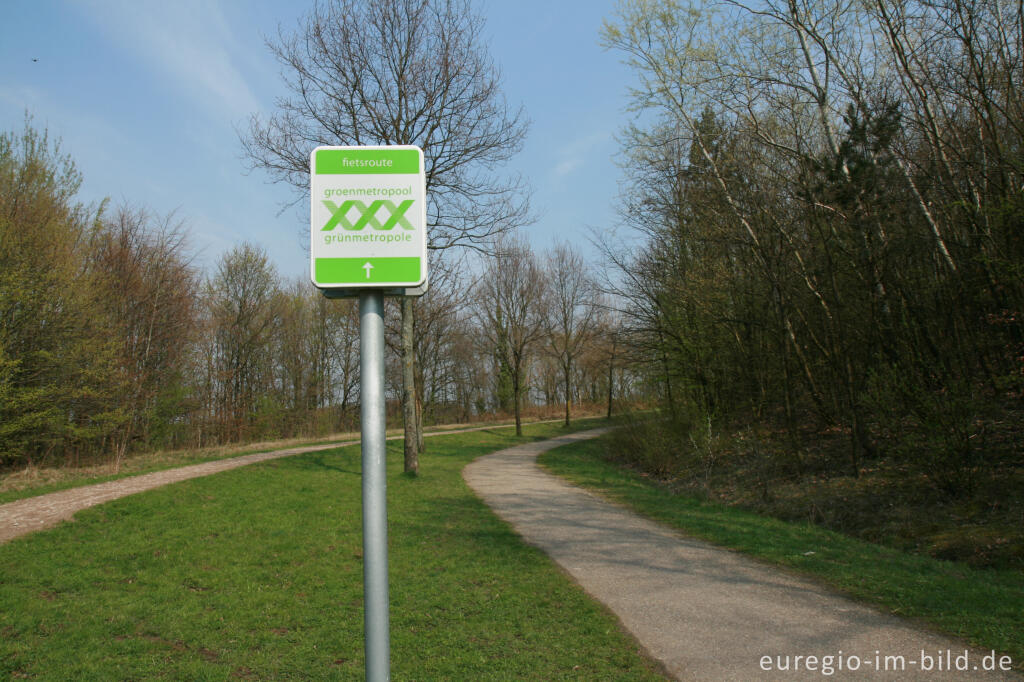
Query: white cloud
574	154
190	41
567	166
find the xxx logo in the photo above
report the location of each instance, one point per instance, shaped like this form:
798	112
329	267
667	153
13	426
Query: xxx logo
367	215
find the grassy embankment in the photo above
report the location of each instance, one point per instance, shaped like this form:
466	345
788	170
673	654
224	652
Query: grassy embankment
31	481
257	573
984	606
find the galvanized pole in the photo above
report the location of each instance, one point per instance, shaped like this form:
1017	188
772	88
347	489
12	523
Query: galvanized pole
375	513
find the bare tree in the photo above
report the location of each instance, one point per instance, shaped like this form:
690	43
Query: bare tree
400	72
435	324
150	290
437	327
571	312
244	304
510	310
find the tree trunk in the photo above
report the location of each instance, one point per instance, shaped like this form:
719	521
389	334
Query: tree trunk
611	377
668	380
515	401
420	445
412	454
568	386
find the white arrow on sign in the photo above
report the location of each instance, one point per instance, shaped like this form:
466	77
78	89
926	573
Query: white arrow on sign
368	267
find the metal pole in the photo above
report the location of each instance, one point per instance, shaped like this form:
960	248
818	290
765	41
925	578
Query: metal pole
375	512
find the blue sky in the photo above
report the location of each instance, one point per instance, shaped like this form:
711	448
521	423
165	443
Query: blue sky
147	95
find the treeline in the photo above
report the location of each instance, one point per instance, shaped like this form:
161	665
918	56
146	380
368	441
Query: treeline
112	341
831	199
95	310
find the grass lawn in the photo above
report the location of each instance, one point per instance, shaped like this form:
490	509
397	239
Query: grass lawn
30	482
985	606
257	573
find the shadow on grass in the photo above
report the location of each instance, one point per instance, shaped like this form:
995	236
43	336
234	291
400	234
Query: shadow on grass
328	460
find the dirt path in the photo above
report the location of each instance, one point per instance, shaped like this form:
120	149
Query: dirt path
45	511
36	513
706	613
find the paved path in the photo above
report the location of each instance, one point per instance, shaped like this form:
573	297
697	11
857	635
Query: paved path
45	511
706	613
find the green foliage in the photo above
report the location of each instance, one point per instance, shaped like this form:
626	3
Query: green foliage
666	446
57	354
97	310
165	418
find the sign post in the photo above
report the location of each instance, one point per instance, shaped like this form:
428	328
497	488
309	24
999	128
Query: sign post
368	238
375	510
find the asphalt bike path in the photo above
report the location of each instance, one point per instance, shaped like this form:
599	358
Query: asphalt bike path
704	612
45	511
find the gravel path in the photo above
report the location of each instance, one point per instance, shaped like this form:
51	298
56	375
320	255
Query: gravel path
706	613
45	511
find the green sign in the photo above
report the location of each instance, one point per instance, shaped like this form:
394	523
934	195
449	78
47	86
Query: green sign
368	215
368	225
368	160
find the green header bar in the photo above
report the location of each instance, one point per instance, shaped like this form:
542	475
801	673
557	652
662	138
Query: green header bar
367	161
354	271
